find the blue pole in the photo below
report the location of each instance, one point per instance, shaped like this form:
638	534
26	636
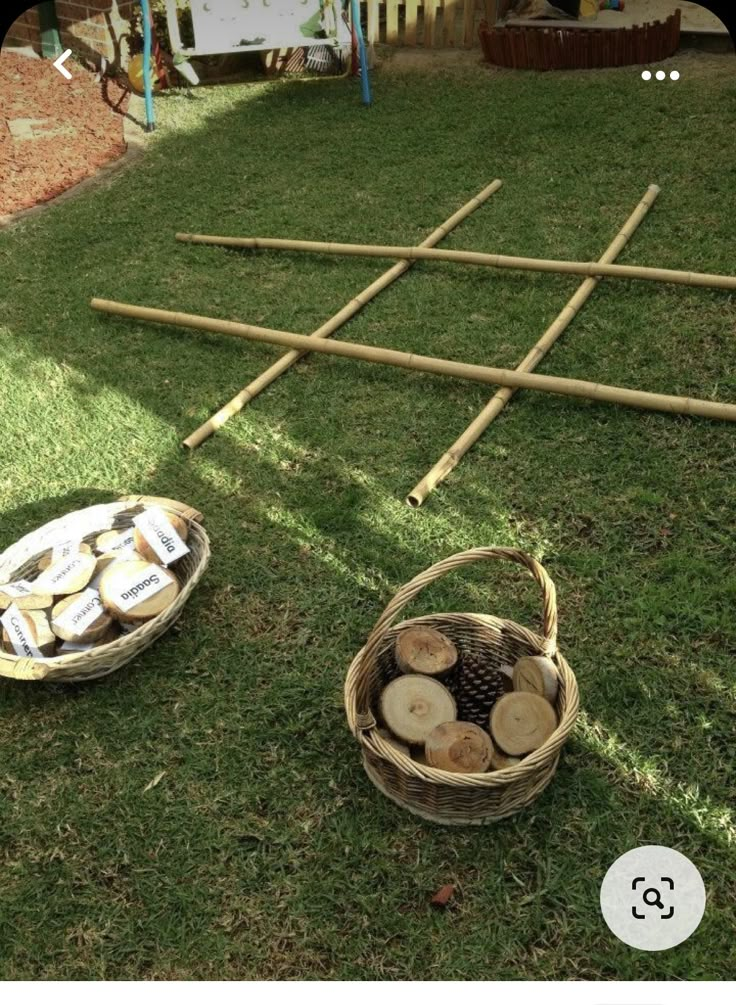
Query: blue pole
147	83
365	83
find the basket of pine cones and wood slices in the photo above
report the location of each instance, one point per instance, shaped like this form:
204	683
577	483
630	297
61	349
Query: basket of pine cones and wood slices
85	594
461	717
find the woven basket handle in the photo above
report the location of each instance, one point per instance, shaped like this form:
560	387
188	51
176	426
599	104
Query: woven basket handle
181	509
23	669
434	572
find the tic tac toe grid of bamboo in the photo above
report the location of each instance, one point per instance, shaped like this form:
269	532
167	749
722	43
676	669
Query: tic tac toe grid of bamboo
507	380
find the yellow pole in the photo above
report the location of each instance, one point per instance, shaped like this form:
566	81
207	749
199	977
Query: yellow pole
430	364
472	258
248	393
498	402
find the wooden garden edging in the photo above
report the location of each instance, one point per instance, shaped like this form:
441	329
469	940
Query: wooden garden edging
577	47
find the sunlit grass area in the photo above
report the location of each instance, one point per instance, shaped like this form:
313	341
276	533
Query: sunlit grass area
264	851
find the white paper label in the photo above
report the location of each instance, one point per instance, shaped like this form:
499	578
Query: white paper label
158	531
57	576
65	549
123	542
20	588
75	647
78	616
13	623
144	584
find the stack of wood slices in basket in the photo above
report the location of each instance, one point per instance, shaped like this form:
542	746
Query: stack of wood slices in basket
457	711
88	590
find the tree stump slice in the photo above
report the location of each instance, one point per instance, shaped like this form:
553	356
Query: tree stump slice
507	676
461	747
499	760
40	601
92	633
424	651
119	575
45	560
537	675
68	575
144	549
413	705
521	722
38	632
396	744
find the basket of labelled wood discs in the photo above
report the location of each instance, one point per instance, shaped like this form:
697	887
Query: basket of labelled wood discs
461	717
86	593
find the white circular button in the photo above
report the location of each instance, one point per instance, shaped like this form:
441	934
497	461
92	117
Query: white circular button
675	75
652	898
646	75
661	74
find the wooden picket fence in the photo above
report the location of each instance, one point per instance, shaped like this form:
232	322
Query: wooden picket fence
434	24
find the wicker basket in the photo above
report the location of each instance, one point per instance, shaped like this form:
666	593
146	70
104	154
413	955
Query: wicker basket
443	796
20	561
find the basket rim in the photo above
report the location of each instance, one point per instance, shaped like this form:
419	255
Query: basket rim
127	646
370	740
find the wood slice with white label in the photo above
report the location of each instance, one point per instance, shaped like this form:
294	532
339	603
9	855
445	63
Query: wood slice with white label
122	580
45	560
40	601
35	627
145	550
71	648
458	746
91	632
537	675
425	651
113	540
521	722
414	704
499	760
68	575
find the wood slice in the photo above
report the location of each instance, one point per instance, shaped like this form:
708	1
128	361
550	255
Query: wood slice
145	550
134	577
397	744
521	722
413	705
499	760
37	630
68	575
424	651
45	561
537	675
67	648
40	601
111	540
507	674
458	746
93	631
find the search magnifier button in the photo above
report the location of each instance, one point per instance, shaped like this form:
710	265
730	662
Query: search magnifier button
657	902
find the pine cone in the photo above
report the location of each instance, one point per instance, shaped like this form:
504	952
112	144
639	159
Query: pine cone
479	685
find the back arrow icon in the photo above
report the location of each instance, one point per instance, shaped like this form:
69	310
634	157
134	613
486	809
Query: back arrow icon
58	63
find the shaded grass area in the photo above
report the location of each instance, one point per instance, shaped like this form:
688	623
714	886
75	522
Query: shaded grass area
264	851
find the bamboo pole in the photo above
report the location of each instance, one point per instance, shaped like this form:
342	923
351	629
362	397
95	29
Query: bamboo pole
430	364
471	258
498	402
253	389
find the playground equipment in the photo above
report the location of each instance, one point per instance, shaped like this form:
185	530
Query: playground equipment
327	29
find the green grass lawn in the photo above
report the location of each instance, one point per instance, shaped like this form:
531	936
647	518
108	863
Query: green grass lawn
264	851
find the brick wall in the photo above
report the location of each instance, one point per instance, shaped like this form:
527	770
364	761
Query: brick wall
25	31
90	28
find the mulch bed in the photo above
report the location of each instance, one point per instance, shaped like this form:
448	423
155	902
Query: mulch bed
76	128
